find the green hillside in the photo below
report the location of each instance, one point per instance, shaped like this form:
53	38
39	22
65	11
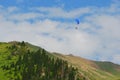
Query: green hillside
24	61
109	67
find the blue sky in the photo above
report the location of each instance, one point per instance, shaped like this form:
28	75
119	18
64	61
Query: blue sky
51	25
68	4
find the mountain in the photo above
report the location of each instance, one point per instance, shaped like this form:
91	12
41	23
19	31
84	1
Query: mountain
93	70
17	60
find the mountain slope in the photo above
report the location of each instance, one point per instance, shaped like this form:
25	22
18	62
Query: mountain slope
87	69
93	70
23	61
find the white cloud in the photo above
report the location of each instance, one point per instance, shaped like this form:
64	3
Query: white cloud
60	13
98	33
23	17
116	58
1	6
12	9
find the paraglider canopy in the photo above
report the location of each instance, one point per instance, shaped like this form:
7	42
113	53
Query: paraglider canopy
77	21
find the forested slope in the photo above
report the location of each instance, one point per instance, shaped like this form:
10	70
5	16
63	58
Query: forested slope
22	61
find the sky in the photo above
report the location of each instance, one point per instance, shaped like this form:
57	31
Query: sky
51	24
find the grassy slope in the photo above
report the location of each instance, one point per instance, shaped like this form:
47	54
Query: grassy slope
91	69
109	67
4	54
6	58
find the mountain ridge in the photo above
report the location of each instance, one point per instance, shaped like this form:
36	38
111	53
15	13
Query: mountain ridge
91	70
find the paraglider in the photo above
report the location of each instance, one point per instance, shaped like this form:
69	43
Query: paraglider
78	22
